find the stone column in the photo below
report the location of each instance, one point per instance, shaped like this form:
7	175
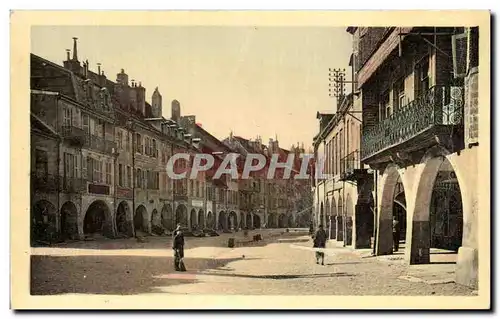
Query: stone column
362	219
339	228
333	227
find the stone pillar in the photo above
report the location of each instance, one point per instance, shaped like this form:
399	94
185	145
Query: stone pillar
467	260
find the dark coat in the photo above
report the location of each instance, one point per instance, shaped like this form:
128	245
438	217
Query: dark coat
320	239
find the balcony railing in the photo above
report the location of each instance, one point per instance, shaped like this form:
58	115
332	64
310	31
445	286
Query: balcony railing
45	182
82	138
440	106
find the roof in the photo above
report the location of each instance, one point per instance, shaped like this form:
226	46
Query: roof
39	125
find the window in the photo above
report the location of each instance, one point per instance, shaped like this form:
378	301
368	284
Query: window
138	141
157	180
120	174
97	170
138	177
398	93
41	163
144	179
84	167
108	173
119	139
129	177
85	123
385	106
127	141
422	77
67	116
69	165
155	152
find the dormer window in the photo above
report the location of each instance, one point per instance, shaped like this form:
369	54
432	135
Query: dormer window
104	99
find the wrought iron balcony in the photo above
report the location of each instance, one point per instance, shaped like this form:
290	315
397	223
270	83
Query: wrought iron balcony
73	184
44	182
75	135
351	168
440	107
102	145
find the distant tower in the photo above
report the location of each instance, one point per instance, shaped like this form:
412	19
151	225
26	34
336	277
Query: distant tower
156	103
176	111
122	77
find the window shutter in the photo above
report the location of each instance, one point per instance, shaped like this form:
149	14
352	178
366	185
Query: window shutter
459	52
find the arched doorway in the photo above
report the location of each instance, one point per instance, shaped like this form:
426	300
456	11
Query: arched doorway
387	240
69	221
210	220
333	220
123	227
193	219
272	222
399	209
140	220
340	219
241	221
43	221
97	220
291	221
232	221
282	221
256	221
348	221
156	226
201	219
438	222
181	216
222	221
249	221
167	218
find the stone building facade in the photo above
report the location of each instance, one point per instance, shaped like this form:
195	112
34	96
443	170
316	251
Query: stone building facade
418	88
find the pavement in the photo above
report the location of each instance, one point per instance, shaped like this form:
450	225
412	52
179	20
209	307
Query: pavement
281	264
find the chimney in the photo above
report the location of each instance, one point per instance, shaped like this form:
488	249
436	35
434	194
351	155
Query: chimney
98	68
67	54
75	50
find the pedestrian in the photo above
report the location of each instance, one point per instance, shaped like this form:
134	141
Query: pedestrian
320	242
311	229
178	247
395	233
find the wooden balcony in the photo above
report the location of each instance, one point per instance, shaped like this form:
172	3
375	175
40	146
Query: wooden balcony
434	117
80	138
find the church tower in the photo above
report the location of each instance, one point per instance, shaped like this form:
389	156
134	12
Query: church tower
156	106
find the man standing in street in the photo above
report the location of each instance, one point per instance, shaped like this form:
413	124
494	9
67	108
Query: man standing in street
178	247
320	242
395	233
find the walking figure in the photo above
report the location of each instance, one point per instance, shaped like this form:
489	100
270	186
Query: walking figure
320	242
395	233
178	247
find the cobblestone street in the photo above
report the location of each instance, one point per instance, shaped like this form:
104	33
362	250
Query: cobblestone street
280	264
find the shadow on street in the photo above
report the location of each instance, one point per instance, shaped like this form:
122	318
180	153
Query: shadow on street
121	275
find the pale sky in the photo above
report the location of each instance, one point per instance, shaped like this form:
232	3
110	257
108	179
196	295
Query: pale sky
263	81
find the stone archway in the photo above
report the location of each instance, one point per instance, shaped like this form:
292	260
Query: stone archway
140	219
123	226
156	226
256	221
43	221
333	220
340	219
69	221
438	213
181	216
97	220
232	221
193	219
249	222
201	219
210	220
221	223
167	217
391	184
282	221
349	207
